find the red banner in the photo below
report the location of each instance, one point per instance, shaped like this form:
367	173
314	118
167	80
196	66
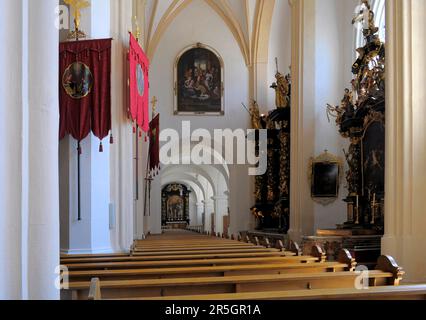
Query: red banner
139	85
154	145
85	88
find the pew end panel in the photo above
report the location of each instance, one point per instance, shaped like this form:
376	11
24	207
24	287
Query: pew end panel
346	258
388	264
318	253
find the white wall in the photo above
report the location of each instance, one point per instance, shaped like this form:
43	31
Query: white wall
92	233
334	39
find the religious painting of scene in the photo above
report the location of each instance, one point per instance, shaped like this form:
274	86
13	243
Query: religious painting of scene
199	83
77	80
175	206
325	180
373	154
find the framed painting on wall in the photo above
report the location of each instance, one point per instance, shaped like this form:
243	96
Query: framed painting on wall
199	85
325	174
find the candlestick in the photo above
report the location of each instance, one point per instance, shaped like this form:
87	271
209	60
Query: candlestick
373	210
357	215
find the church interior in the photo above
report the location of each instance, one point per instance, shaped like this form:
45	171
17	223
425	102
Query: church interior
213	150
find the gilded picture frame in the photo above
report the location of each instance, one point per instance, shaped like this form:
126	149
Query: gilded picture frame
199	82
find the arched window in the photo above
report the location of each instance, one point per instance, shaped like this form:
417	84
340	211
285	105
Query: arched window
379	9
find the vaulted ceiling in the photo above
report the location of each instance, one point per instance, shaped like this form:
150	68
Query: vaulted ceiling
248	20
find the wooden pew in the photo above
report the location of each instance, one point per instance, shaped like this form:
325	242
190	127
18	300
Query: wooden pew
389	274
209	271
188	262
141	255
209	256
137	262
405	292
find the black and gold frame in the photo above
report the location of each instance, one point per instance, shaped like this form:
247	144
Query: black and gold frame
373	155
325	175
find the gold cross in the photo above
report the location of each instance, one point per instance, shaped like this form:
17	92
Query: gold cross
138	30
154	104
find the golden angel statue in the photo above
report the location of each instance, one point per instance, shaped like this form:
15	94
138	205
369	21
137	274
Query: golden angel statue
255	116
282	89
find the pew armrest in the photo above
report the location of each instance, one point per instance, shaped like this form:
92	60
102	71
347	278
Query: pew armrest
388	264
346	258
317	252
95	290
295	248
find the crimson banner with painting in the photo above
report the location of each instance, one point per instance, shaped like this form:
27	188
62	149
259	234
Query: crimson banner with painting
85	88
139	85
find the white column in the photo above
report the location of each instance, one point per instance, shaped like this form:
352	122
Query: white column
405	219
121	161
302	117
11	130
199	211
43	120
221	209
208	210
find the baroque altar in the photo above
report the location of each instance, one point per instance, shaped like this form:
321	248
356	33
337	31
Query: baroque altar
272	190
361	119
175	206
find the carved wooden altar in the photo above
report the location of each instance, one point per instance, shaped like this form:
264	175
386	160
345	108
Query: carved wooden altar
273	188
361	118
175	206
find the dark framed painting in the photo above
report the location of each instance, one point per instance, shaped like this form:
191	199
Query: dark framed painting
199	85
326	173
325	180
373	157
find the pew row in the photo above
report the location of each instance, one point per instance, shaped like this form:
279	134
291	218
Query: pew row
387	273
404	292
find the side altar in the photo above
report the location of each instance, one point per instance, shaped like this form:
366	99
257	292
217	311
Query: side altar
272	190
361	118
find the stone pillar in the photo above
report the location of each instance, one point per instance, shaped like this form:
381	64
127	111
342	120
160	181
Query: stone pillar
199	212
208	210
121	159
302	117
29	199
405	219
43	127
11	159
221	209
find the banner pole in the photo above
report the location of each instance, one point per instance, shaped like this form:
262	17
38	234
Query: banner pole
137	163
78	182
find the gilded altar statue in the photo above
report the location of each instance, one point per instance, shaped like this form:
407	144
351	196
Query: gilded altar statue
282	89
255	116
